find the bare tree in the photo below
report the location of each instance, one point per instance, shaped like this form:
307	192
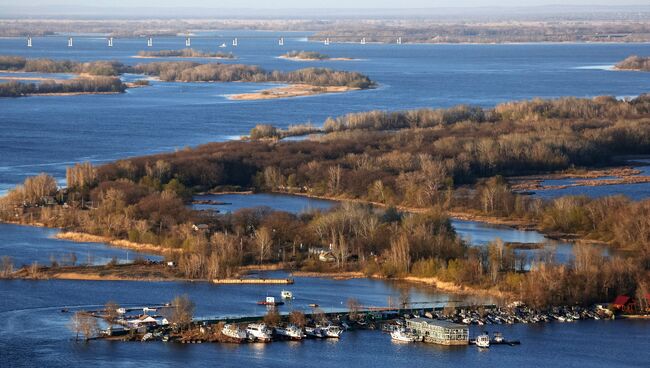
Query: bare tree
353	306
6	266
181	311
84	324
272	317
264	241
297	318
110	309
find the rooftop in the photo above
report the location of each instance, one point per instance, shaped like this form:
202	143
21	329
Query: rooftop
437	322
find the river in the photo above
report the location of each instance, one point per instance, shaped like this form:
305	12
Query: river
48	133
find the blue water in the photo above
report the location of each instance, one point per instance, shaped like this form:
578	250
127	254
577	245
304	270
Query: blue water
34	331
278	202
635	192
26	244
47	133
473	232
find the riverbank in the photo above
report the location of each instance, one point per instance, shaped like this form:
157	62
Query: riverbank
294	90
292	58
80	237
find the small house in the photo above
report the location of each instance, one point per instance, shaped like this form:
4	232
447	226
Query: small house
143	320
629	305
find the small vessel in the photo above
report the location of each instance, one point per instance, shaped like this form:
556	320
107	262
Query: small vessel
259	332
483	341
270	301
292	332
234	332
286	294
402	335
332	331
223	45
498	337
316	332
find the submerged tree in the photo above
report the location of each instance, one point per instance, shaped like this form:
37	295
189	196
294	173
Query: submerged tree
84	324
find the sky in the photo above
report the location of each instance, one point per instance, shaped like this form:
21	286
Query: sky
311	4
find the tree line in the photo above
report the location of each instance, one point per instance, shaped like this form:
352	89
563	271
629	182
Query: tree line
185	71
189	53
76	85
439	162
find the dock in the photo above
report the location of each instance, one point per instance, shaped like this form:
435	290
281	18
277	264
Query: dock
254	281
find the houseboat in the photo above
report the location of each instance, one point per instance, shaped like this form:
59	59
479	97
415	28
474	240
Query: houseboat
439	332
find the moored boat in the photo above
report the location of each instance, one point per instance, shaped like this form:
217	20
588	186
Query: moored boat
483	341
332	331
292	332
402	335
259	332
234	332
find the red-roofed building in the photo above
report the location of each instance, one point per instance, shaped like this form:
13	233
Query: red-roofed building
626	304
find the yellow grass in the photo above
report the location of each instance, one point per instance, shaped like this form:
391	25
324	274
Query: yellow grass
89	238
294	90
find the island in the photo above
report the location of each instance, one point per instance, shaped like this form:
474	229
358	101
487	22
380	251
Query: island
103	77
310	56
637	63
184	53
400	178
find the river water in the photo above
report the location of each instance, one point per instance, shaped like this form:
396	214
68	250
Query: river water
46	134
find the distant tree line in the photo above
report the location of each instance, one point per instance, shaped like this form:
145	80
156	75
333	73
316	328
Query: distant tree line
77	85
308	55
185	71
189	53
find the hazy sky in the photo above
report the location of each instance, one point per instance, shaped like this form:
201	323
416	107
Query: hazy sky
7	4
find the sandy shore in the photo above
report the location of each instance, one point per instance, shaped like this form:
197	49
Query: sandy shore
458	289
89	238
294	90
325	59
343	275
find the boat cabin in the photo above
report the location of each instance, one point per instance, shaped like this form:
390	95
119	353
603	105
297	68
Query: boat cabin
439	332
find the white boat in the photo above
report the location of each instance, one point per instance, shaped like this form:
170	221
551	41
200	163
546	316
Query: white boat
332	331
223	45
316	332
498	337
483	341
259	332
401	334
234	332
286	294
292	332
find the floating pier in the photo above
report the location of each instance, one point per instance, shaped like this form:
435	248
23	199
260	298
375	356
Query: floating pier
254	281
